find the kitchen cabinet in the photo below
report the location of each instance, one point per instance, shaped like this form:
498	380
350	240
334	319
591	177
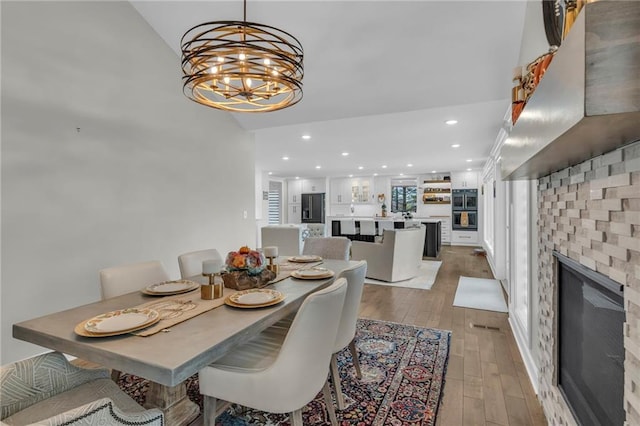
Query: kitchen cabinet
340	191
294	191
464	180
294	213
362	190
464	238
445	230
313	186
352	190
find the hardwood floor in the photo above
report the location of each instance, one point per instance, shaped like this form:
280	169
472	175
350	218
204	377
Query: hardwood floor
486	382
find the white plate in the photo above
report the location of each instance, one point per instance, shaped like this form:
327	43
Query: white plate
123	319
255	296
171	287
312	274
305	259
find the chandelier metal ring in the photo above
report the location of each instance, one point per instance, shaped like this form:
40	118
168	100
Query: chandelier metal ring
241	66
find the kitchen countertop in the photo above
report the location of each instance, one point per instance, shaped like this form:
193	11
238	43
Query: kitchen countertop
419	218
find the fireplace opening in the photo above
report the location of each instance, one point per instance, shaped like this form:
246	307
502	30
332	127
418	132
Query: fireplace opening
590	343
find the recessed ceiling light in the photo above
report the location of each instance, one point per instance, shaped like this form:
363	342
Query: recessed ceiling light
401	174
297	177
318	167
451	122
469	160
384	167
360	167
468	170
270	173
285	158
409	165
306	137
375	174
344	154
350	175
433	171
455	145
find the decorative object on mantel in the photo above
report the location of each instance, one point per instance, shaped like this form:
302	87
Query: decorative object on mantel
526	82
241	66
246	269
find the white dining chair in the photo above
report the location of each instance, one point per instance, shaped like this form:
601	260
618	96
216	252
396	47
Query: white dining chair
328	247
123	279
191	263
281	370
347	330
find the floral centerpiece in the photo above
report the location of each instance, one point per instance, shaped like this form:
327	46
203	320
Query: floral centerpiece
245	259
246	269
381	199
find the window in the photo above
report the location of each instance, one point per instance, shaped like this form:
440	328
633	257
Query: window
404	198
275	190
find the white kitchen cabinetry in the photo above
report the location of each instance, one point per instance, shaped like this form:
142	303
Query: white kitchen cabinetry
340	191
464	238
445	230
295	213
294	190
362	190
464	180
313	186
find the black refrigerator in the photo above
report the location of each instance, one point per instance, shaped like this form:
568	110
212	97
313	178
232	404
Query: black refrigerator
312	208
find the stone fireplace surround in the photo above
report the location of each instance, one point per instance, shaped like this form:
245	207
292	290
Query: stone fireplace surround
590	212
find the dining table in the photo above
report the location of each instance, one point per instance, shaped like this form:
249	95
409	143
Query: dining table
170	356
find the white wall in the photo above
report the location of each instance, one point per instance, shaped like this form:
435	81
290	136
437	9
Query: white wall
149	175
534	40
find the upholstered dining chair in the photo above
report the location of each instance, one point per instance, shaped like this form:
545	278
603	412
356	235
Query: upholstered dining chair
281	370
48	390
355	276
328	247
191	263
347	330
123	279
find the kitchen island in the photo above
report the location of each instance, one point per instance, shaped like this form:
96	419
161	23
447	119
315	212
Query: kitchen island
433	235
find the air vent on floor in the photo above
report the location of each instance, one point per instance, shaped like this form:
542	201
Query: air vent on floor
486	327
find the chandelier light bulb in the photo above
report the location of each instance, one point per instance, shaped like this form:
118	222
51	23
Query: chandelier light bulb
227	80
242	56
214	70
267	61
248	82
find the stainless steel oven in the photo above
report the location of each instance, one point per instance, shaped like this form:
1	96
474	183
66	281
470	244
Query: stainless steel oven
464	199
465	220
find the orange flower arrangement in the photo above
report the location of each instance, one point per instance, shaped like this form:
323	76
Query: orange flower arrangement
245	259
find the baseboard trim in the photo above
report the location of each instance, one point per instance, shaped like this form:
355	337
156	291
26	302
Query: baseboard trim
527	357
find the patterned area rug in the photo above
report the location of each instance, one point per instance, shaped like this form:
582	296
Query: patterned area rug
403	371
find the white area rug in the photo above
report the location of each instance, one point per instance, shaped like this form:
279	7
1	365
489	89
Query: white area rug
425	279
480	293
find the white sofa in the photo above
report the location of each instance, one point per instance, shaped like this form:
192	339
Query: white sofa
288	238
396	258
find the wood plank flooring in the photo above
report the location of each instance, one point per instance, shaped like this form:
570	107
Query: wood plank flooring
486	382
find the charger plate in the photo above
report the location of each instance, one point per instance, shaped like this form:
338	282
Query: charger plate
118	322
169	288
305	259
312	274
254	298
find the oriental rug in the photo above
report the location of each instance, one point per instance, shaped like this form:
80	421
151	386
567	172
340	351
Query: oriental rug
403	370
424	280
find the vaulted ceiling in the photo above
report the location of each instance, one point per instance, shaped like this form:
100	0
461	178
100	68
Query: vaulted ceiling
381	78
